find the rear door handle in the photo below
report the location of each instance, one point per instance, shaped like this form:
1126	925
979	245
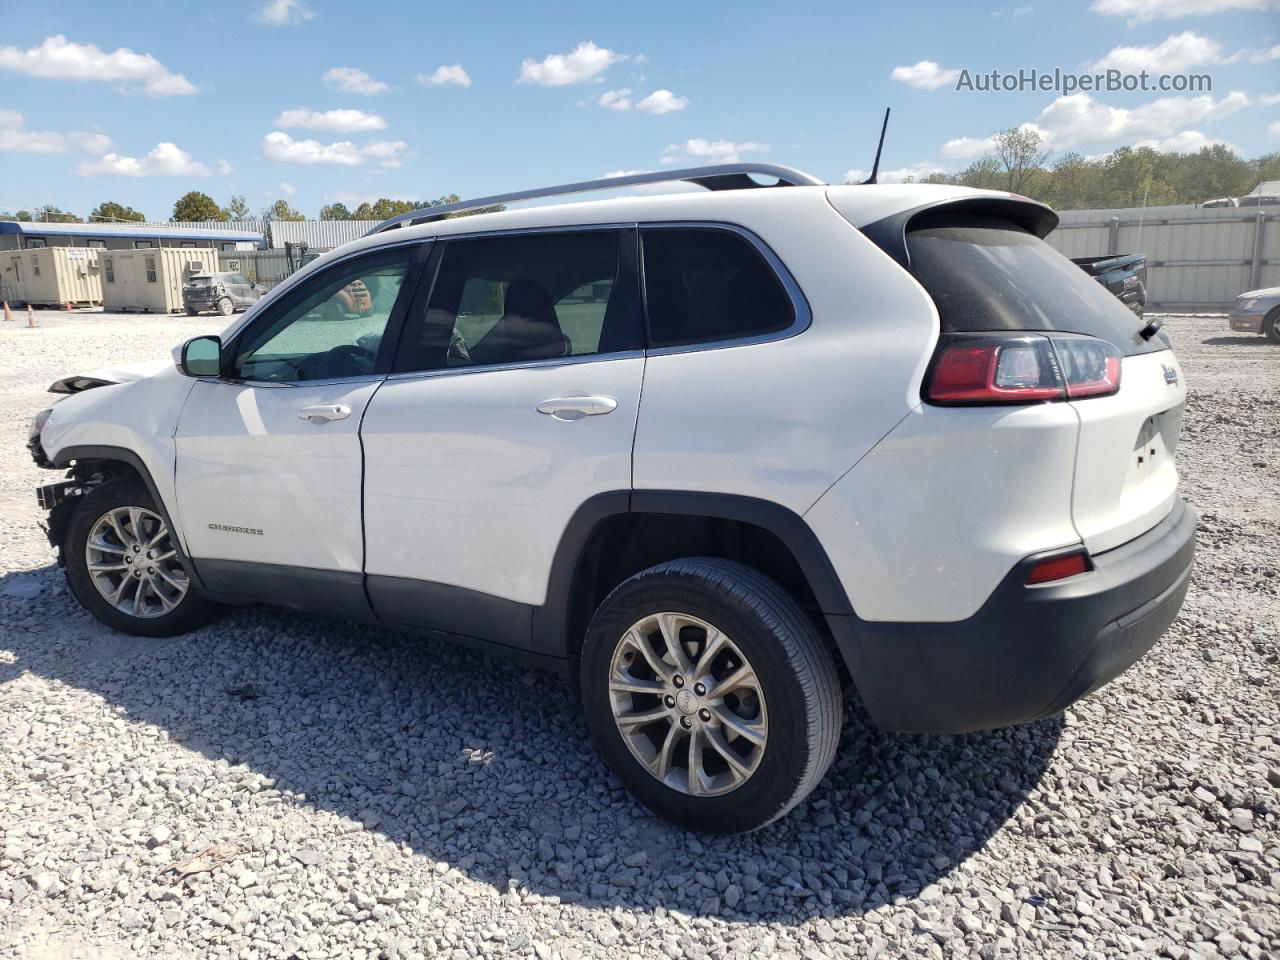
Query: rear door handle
324	412
575	408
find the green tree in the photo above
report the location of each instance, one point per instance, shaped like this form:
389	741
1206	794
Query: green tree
195	206
1020	155
51	214
384	209
335	211
238	208
280	210
112	211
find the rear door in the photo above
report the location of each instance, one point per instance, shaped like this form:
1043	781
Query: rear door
986	274
514	402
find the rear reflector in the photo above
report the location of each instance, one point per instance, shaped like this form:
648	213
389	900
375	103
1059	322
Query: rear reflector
1014	368
1059	568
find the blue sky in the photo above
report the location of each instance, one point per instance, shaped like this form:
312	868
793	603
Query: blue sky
318	102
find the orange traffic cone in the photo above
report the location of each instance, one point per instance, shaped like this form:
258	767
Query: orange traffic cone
8	314
31	316
66	305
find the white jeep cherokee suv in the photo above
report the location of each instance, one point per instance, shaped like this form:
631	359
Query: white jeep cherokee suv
715	456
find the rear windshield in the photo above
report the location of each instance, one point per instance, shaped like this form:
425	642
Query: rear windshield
199	281
988	274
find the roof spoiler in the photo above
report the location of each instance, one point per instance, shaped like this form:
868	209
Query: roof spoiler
725	176
890	233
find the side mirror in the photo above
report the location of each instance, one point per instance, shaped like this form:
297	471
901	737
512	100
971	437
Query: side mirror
201	357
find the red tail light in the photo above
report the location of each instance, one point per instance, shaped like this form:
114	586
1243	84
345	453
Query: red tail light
1059	568
1017	368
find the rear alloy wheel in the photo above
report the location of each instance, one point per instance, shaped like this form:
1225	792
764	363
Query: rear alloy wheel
124	567
226	307
710	694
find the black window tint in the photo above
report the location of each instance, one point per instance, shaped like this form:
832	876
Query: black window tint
533	297
988	274
707	284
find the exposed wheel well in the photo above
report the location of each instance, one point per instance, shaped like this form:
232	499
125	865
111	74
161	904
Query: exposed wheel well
626	543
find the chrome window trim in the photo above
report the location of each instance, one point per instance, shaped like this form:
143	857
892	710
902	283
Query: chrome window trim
803	315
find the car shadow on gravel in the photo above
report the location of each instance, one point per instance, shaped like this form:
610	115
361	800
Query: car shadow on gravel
488	768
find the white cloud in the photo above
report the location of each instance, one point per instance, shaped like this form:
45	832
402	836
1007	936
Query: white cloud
338	121
60	58
1187	141
1079	118
288	188
446	75
662	101
16	138
616	99
284	13
915	172
1138	11
165	160
224	169
926	75
584	64
1274	130
351	80
965	147
279	146
1269	99
1175	53
717	151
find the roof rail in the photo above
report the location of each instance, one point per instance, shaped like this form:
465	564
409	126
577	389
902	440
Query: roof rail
724	176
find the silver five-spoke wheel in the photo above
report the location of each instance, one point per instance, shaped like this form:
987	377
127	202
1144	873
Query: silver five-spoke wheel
132	562
688	704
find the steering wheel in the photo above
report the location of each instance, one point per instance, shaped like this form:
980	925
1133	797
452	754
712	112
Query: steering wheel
346	360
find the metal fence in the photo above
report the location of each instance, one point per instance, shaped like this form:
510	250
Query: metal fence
264	267
319	234
1197	259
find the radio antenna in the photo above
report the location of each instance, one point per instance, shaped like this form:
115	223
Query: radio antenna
875	167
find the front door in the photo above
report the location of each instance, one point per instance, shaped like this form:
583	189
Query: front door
269	459
514	402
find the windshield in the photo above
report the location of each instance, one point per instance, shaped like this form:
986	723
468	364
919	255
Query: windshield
987	274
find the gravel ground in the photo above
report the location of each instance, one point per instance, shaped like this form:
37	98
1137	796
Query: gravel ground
346	791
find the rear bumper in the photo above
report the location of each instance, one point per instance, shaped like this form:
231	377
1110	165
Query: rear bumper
1246	322
1029	651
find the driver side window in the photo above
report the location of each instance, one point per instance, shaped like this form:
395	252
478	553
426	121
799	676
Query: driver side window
330	327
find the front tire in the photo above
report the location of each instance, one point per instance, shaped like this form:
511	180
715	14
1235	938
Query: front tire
225	307
1271	326
710	694
123	566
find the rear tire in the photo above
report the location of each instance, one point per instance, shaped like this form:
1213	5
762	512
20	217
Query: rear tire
761	745
1271	326
122	564
192	311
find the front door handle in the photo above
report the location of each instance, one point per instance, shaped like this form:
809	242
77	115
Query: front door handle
575	408
324	412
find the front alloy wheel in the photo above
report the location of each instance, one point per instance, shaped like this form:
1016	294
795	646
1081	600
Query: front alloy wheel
124	566
133	563
688	704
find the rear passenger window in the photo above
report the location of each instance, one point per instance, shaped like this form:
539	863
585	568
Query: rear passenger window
519	299
706	284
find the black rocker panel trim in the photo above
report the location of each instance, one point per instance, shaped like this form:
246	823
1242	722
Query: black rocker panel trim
450	609
336	592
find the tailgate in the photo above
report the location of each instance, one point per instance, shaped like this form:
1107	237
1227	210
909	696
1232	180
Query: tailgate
1125	479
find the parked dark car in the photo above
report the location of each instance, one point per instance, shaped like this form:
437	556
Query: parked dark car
223	293
1124	275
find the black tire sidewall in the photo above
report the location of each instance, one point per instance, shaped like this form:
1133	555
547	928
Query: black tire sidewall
774	783
230	307
190	612
1271	326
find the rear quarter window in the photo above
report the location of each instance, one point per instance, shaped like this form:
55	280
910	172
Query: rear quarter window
705	284
989	274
